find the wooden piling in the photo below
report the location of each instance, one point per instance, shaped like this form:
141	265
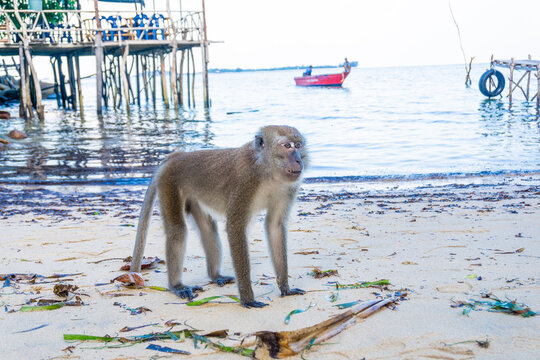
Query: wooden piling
99	60
193	76
125	84
154	78
79	86
512	65
528	80
138	81
146	79
72	88
206	98
23	110
181	79
62	81
538	88
56	89
172	73
163	80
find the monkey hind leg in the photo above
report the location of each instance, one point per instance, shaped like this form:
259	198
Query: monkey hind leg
210	241
172	211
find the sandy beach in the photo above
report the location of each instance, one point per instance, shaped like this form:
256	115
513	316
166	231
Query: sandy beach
440	241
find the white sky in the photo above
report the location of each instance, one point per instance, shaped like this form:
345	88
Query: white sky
261	33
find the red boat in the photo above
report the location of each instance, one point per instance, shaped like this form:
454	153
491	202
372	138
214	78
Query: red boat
322	80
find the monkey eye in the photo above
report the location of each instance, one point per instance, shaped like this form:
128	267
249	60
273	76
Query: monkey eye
297	145
288	145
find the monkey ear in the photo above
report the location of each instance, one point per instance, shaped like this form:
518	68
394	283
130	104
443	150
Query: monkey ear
259	142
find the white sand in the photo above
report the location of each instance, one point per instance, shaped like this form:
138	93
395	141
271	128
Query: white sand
424	237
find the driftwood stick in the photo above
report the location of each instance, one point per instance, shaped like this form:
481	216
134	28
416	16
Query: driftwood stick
287	343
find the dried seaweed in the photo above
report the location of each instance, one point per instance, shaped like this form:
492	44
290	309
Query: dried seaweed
42	308
363	284
494	304
63	290
297	311
208	299
318	273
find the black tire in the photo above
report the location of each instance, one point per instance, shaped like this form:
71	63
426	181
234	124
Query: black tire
486	78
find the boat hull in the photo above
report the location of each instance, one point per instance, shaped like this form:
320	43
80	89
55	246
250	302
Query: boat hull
321	80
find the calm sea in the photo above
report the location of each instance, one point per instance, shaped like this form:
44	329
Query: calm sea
402	122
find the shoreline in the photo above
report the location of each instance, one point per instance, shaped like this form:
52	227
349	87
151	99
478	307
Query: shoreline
441	240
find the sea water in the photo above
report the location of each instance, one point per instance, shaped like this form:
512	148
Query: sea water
397	122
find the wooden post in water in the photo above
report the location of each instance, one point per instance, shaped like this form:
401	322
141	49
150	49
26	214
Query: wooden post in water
72	88
172	73
23	106
511	81
204	49
181	79
154	77
125	83
79	86
538	88
146	79
163	80
193	77
528	80
62	81
138	81
56	91
99	60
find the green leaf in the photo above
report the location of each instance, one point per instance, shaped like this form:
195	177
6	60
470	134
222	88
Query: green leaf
81	337
159	288
347	305
297	311
42	308
208	299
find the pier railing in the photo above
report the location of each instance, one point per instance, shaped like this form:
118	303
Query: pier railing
80	27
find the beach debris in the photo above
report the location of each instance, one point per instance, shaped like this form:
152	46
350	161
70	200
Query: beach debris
2	141
166	335
17	134
166	349
520	250
318	273
4	115
494	304
287	343
32	329
482	343
63	290
307	252
158	288
208	299
347	305
54	306
127	328
132	311
130	279
147	263
359	285
332	297
297	311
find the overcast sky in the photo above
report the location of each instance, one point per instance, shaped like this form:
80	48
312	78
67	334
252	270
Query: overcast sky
260	33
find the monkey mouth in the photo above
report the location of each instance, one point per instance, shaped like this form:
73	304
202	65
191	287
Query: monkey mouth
294	173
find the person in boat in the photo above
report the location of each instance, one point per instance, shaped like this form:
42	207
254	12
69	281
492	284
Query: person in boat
347	66
308	71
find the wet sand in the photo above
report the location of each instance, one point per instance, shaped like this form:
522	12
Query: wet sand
437	240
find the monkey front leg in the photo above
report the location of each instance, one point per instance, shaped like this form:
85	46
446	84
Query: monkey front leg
276	233
236	231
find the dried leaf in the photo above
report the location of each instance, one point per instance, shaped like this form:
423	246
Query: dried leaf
307	252
130	279
63	290
147	263
318	273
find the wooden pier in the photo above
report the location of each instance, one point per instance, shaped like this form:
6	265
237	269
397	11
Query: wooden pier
131	48
492	82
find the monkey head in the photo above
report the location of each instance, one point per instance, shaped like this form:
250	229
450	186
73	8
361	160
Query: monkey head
282	151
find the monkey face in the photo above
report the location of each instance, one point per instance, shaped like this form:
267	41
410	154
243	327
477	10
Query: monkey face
291	160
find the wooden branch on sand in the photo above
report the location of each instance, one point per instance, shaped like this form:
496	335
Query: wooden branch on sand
277	345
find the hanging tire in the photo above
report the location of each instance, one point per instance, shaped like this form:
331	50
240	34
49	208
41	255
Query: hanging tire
486	81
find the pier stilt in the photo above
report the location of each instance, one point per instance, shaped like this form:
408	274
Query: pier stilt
163	80
23	106
79	86
125	83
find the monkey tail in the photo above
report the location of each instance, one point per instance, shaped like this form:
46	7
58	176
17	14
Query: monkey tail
142	227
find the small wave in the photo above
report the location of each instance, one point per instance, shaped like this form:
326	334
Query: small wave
140	181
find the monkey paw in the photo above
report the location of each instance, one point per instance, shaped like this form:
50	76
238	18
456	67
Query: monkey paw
222	280
254	304
186	292
294	291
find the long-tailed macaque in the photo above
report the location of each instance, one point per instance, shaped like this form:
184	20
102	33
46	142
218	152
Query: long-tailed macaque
264	174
